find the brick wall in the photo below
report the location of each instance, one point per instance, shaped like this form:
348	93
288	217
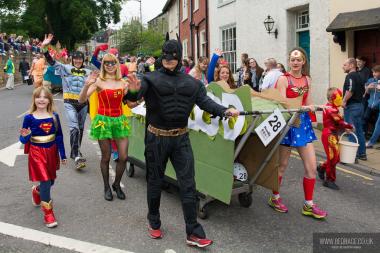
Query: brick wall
16	61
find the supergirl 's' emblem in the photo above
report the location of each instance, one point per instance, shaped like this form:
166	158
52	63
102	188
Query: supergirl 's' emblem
46	127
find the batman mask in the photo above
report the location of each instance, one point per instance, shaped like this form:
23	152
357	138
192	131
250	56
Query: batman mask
172	50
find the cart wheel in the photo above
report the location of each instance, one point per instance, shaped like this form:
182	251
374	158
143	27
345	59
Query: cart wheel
202	212
131	170
245	199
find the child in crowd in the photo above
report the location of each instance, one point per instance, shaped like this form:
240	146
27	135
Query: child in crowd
41	133
333	124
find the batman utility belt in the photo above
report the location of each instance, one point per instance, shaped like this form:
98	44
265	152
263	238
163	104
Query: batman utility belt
70	96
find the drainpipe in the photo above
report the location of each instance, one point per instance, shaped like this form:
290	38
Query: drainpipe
179	20
191	29
207	46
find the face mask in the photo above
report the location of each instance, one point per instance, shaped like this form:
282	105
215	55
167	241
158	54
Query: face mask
337	98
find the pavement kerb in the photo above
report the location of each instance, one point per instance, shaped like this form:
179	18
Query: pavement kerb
362	168
16	84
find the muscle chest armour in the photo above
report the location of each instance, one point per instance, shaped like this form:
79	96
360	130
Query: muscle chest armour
171	97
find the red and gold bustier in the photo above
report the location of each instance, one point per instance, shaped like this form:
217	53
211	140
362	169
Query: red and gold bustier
110	102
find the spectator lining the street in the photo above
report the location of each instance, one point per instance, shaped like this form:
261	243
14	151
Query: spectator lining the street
200	70
185	68
10	73
24	69
353	91
272	75
281	67
214	63
243	67
256	73
224	73
373	88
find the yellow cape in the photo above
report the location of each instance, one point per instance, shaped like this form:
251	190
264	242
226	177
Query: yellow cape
94	104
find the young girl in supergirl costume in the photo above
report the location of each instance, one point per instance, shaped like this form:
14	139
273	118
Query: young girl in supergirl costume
41	133
110	123
294	84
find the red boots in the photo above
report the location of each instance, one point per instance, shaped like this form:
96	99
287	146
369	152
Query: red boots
49	219
36	200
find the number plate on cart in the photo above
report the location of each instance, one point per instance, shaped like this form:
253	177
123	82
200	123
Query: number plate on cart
270	127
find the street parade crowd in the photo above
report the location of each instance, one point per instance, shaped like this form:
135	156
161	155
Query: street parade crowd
118	81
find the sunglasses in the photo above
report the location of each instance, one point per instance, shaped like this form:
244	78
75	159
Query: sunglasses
109	63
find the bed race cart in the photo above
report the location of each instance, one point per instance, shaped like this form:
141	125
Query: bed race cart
230	155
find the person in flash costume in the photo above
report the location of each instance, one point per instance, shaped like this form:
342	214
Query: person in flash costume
170	96
333	123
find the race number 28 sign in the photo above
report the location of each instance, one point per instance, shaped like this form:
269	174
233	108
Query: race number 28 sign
270	127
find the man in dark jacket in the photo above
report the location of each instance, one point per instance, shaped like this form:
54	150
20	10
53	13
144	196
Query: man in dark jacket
24	69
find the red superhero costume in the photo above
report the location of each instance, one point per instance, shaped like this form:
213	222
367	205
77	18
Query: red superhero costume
43	146
333	123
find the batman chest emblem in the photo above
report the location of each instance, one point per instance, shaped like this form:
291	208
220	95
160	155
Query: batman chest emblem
78	72
46	127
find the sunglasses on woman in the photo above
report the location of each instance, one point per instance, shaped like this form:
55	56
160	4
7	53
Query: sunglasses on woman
109	63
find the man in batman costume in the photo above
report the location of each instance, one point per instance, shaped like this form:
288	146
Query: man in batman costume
170	97
73	77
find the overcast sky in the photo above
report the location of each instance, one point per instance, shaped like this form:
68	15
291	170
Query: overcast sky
150	9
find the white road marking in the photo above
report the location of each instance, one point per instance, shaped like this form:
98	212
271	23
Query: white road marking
55	240
9	154
22	114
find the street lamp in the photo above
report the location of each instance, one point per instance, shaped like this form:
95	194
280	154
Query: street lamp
269	23
141	21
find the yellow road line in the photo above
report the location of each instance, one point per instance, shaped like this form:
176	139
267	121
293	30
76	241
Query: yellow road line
354	173
295	155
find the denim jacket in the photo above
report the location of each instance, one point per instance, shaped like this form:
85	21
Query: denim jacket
374	94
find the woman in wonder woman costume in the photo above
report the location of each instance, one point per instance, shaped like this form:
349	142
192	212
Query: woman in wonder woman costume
110	123
294	84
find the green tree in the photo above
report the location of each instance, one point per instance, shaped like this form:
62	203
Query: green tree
134	42
70	21
130	35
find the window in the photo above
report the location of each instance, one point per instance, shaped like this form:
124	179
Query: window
184	9
203	43
303	20
184	49
229	46
196	5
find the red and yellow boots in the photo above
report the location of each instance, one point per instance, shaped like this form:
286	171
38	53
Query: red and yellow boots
49	219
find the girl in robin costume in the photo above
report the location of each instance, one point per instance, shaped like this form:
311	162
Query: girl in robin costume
293	84
333	124
110	123
41	133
